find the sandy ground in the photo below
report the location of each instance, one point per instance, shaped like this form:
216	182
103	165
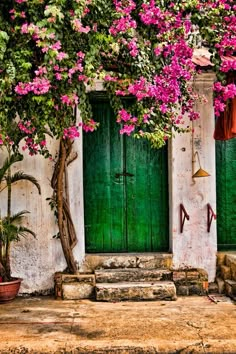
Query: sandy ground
188	325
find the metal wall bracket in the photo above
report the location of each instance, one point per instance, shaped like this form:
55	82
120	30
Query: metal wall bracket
183	216
210	216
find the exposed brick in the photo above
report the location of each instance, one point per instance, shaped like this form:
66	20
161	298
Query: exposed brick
230	288
221	285
196	289
203	275
182	290
213	288
233	270
229	259
192	275
179	277
84	278
225	272
220	259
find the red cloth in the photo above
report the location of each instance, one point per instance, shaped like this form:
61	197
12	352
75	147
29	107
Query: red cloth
225	127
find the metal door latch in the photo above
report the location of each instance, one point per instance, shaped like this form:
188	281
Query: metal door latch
124	174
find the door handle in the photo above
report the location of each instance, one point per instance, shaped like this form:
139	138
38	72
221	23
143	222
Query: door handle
124	174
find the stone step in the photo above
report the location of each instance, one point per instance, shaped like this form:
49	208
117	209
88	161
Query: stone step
132	275
160	290
221	285
225	272
230	288
94	262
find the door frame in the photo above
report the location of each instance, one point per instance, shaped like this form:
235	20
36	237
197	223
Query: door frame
96	95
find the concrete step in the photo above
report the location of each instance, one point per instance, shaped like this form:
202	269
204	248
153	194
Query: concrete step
160	290
132	275
221	285
225	272
94	262
230	288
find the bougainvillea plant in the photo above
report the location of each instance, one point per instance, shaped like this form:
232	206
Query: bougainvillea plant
51	51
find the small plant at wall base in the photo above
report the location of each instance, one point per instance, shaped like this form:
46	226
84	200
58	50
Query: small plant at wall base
11	227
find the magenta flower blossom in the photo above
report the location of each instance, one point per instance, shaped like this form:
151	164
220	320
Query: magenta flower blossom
89	126
61	55
71	133
127	129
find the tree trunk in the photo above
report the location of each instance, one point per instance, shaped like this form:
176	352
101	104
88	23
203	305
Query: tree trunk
62	222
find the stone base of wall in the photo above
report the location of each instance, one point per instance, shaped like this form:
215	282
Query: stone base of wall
191	281
226	274
74	287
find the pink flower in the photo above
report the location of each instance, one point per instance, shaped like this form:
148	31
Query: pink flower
41	70
61	55
42	143
71	133
80	55
110	78
90	126
40	86
22	88
24	28
79	27
58	76
56	46
71	100
127	129
123	115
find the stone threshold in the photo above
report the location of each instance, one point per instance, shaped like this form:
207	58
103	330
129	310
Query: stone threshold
93	261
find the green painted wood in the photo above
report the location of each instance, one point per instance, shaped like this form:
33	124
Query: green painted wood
104	194
123	213
147	197
226	194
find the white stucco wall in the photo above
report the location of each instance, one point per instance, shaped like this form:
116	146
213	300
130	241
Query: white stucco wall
36	260
195	247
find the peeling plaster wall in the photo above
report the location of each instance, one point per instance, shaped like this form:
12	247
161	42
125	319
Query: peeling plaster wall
36	260
195	247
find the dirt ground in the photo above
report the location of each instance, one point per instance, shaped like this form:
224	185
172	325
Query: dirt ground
188	325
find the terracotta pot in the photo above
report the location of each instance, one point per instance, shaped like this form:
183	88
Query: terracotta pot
9	290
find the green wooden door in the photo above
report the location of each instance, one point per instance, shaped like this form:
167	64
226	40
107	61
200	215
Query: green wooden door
125	190
226	194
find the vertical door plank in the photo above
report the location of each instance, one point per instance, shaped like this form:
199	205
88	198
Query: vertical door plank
147	197
226	194
103	196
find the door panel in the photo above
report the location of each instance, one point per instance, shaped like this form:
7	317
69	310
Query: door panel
125	190
104	194
147	196
226	194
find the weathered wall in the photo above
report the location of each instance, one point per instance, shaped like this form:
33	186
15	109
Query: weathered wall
195	246
36	260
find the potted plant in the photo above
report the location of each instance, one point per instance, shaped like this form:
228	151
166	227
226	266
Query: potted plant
11	228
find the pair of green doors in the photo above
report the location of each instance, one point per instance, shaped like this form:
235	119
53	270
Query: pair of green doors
226	194
125	189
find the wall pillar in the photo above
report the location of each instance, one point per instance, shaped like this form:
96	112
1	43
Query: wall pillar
194	247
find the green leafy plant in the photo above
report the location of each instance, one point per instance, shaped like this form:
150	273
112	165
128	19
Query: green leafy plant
11	228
